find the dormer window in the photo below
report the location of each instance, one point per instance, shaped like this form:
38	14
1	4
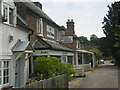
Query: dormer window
8	14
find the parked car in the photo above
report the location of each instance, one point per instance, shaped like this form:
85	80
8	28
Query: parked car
101	61
113	61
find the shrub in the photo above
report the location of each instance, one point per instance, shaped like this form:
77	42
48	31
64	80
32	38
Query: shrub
47	67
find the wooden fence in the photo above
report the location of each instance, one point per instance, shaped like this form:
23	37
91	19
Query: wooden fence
60	81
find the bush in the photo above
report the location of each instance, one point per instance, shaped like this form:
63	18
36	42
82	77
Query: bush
48	67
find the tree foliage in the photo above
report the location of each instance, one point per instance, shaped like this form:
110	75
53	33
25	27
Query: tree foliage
94	40
111	28
98	53
104	47
85	40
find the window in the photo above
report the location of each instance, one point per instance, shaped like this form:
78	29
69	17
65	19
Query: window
63	60
8	14
68	39
78	44
40	27
4	72
50	32
70	60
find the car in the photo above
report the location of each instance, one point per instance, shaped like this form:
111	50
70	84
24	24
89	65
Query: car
113	61
101	61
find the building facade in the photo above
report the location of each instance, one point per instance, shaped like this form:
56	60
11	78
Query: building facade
15	48
47	35
82	58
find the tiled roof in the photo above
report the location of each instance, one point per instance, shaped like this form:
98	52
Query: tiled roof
21	46
47	44
29	4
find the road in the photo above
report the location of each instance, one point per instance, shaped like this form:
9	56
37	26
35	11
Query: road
105	76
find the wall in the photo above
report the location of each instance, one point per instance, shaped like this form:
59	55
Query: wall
17	33
32	23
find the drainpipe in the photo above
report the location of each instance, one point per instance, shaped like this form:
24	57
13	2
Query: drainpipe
31	33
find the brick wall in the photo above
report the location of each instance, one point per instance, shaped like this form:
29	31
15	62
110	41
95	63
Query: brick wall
71	45
32	23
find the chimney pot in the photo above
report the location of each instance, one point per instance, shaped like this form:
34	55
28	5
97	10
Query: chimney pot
72	20
68	20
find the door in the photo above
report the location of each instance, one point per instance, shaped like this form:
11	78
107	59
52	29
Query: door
17	73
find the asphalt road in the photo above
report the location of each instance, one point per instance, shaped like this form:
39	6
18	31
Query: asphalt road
105	76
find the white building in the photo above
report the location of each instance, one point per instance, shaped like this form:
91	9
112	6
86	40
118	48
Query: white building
15	48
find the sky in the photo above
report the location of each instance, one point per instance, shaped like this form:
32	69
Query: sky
87	14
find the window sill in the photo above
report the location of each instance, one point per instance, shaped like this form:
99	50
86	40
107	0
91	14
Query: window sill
4	85
7	87
12	25
39	34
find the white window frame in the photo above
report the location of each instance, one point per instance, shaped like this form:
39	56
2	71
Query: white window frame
78	44
40	27
14	13
2	68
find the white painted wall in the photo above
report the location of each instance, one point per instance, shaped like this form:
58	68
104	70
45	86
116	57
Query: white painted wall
6	46
16	33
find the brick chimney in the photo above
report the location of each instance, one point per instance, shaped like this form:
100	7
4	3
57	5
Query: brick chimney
38	4
70	26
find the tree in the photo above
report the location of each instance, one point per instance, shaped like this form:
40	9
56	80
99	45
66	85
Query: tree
85	40
111	28
104	47
98	53
94	40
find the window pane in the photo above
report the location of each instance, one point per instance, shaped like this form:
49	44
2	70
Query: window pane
5	64
10	15
0	73
5	15
4	72
0	64
7	71
5	80
0	81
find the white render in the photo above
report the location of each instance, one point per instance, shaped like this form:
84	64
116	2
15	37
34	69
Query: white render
7	30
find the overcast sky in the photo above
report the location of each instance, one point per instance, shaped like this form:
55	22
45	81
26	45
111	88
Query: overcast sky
87	14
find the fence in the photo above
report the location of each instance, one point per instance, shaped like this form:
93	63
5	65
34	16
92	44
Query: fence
87	67
60	81
78	69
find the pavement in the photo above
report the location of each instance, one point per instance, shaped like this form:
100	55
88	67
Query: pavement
76	81
105	76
